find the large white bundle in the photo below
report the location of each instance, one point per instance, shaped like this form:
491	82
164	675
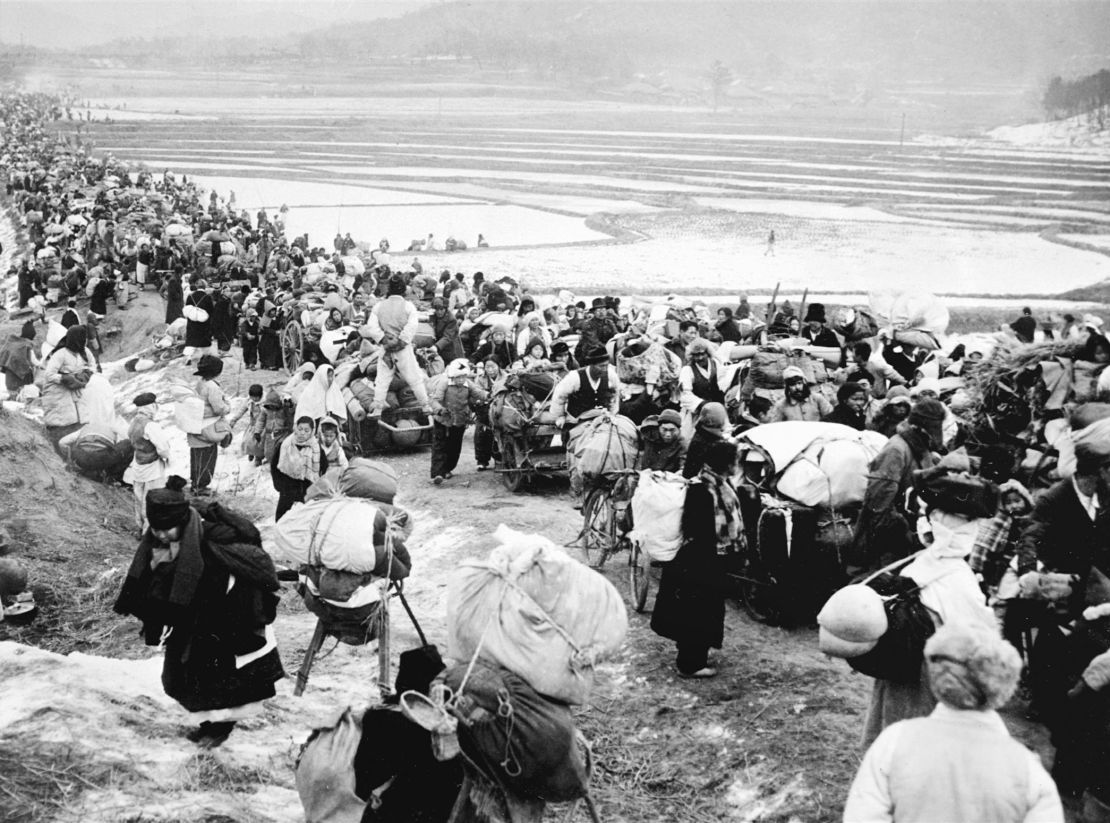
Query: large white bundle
657	506
605	443
536	611
818	464
916	317
353	265
337	533
188	414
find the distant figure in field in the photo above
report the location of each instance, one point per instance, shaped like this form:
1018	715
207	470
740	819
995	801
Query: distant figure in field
482	242
770	250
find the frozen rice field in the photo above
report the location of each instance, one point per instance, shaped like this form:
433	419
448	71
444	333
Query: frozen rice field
655	210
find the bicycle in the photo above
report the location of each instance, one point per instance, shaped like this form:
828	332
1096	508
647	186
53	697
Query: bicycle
607	521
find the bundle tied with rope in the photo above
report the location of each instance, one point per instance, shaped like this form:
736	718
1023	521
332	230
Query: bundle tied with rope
536	611
346	570
605	443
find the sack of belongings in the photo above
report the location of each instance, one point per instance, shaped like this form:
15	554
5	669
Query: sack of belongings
333	533
536	611
898	654
606	443
651	364
658	503
369	479
527	741
768	364
815	464
917	319
344	773
325	773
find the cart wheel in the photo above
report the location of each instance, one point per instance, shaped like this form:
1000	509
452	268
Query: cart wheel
760	594
513	474
292	345
599	528
639	576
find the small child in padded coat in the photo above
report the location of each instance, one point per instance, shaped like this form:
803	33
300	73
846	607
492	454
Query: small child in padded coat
253	411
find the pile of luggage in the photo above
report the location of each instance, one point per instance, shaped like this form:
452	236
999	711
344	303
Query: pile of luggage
495	732
347	541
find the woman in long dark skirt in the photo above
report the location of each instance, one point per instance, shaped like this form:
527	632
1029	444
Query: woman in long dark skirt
690	606
207	592
175	297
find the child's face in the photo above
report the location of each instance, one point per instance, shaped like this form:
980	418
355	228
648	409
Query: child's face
1013	503
328	435
303	429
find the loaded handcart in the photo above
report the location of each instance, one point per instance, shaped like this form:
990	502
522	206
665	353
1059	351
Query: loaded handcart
803	487
529	442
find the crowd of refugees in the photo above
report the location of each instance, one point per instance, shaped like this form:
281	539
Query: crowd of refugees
936	748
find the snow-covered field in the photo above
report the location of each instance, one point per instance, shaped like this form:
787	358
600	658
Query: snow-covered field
852	210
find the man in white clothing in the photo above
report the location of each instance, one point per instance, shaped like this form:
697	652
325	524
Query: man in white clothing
392	325
152	453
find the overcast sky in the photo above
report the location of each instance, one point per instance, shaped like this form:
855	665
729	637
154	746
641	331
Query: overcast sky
67	23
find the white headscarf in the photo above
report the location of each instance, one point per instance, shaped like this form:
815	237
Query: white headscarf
321	397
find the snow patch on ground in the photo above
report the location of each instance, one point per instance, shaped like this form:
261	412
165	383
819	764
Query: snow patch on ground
1081	131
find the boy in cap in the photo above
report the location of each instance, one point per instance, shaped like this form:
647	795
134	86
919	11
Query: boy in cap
152	453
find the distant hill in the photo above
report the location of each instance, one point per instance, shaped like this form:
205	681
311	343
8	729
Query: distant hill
909	40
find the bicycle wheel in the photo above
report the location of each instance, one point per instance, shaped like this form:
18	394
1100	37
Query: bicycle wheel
598	527
639	576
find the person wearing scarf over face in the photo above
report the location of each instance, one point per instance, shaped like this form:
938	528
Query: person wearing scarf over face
951	593
690	606
206	592
18	360
296	464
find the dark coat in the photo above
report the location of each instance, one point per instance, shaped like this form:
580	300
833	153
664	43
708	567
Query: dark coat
699	446
199	335
729	331
175	299
846	417
445	329
212	625
884	527
690	606
102	291
1064	538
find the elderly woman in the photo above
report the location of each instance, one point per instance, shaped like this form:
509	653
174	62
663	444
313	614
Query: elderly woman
690	606
208	593
959	762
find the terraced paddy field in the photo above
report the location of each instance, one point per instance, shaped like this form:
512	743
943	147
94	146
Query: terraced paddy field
630	198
